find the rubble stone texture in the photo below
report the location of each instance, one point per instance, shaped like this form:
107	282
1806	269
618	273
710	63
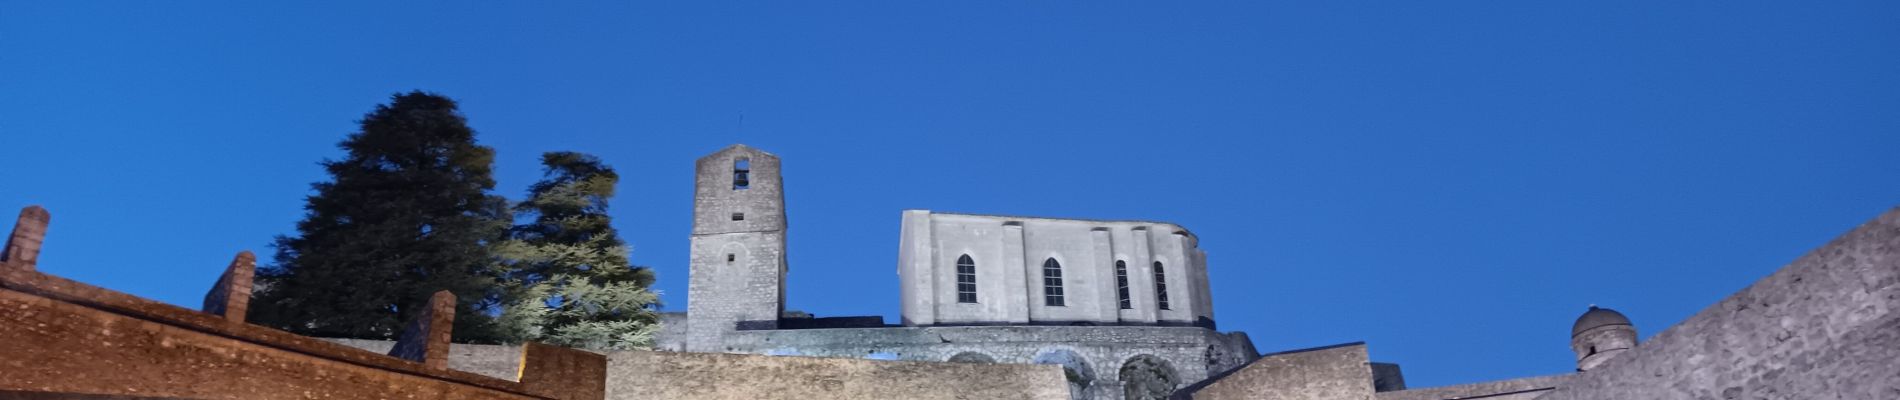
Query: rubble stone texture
658	375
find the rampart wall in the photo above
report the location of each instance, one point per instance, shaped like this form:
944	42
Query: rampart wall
1096	354
1510	389
687	376
1825	326
1340	372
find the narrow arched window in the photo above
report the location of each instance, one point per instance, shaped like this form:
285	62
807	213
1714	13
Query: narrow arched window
1052	283
741	174
1161	287
966	279
1121	284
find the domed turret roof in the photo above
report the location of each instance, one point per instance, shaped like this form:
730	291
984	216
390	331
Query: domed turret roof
1597	317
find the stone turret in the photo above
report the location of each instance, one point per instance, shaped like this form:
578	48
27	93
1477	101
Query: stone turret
738	247
1599	335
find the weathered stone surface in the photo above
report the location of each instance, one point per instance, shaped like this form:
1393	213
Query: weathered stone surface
692	376
1824	326
563	372
1339	372
29	232
231	295
1192	353
1510	389
426	338
496	361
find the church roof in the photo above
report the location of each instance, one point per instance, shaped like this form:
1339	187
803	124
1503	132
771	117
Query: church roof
1597	317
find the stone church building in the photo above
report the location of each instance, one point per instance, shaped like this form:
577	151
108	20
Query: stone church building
1122	305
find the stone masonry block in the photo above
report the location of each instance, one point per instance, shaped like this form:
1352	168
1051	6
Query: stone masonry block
23	246
231	296
426	338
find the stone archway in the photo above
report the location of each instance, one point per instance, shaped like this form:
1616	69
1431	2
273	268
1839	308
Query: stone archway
1074	368
1146	377
971	357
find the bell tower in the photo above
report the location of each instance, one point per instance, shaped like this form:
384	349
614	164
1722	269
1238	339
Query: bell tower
738	247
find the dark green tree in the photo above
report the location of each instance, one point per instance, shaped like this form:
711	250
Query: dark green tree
568	280
406	213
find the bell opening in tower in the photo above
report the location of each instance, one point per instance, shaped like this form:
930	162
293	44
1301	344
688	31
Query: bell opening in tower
741	168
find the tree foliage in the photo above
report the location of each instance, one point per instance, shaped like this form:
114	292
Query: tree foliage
406	213
567	277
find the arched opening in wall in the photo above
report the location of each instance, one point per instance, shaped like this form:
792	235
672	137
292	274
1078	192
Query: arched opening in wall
1074	368
1121	285
966	279
1052	283
741	173
1146	377
971	357
1161	287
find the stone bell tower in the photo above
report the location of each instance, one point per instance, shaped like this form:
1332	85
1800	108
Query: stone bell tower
738	247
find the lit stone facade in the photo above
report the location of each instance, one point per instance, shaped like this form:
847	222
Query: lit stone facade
965	269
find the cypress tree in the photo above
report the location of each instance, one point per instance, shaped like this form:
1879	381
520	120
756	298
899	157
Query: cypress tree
405	213
568	279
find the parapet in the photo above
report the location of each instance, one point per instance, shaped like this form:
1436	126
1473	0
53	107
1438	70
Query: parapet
67	337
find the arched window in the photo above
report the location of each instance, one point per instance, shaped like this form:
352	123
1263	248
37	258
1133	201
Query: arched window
1121	284
1161	287
741	174
1148	377
966	279
1051	283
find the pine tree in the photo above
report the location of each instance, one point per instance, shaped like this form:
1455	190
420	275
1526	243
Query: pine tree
568	278
406	213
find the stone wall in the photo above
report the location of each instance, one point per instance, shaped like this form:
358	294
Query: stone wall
1096	355
1339	372
1512	389
689	376
498	361
675	375
1824	326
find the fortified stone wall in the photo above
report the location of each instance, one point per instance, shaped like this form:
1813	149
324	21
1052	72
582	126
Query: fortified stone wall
66	339
497	361
1340	372
1825	326
689	376
1511	389
674	375
1096	356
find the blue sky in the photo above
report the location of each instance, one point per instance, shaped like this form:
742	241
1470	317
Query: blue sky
1452	182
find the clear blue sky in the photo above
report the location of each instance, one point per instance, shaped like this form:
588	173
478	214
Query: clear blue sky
1450	181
